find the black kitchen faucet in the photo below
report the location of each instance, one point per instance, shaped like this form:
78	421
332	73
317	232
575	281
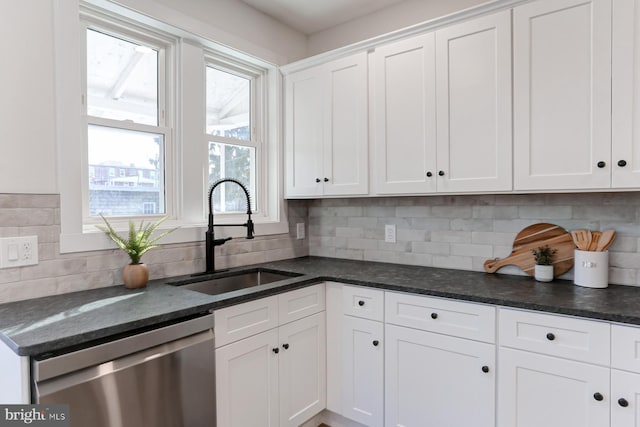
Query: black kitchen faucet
210	241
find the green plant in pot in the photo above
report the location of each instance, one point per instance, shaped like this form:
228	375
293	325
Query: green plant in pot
139	240
543	257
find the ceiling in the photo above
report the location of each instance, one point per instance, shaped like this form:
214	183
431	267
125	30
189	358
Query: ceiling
311	16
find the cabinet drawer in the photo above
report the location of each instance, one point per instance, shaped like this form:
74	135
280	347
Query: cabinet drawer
461	319
567	337
363	302
246	319
625	348
300	303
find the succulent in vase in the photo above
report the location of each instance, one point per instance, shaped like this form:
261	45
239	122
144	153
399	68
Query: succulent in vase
544	255
139	240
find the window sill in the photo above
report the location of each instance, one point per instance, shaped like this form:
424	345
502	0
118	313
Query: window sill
187	233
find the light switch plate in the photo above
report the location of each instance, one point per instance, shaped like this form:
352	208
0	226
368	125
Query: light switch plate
18	251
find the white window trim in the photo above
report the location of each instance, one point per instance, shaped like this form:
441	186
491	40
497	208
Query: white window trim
74	236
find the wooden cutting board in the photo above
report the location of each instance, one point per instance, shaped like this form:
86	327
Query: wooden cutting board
532	237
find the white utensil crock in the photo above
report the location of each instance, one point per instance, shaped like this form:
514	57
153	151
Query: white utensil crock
591	269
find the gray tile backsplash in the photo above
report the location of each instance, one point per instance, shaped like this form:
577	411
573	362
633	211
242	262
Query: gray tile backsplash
462	232
37	214
459	232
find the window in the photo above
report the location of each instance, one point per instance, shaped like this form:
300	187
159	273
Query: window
232	136
126	127
174	111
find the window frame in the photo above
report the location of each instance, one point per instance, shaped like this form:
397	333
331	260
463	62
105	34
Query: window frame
117	27
257	139
185	177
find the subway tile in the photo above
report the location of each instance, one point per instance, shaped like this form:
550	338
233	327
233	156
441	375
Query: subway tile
413	212
355	254
471	250
456	262
349	232
434	248
495	212
544	213
382	256
471	224
451	236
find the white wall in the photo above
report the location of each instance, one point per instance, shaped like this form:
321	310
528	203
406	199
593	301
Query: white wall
27	104
392	18
27	114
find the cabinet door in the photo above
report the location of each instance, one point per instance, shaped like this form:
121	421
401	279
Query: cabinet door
302	365
625	167
437	380
363	392
404	116
346	119
625	399
473	61
562	94
303	132
536	390
247	382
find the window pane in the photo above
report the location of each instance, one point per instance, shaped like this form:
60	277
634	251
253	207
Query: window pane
228	105
122	79
126	172
232	161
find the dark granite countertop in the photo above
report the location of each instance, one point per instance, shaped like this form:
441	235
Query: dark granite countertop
43	325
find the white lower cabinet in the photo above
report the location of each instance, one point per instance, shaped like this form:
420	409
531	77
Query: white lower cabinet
302	369
247	377
276	378
437	380
625	399
275	374
538	390
362	370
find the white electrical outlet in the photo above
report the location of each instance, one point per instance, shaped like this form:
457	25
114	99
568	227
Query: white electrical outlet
18	251
390	233
300	230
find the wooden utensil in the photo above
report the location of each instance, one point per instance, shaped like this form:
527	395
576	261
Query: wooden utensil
595	238
606	239
582	239
532	237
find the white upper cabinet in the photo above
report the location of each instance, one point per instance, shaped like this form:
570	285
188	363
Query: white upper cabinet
303	134
404	116
625	149
326	138
473	80
562	94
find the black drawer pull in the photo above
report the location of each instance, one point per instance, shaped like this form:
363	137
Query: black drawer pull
285	346
550	336
360	303
623	402
485	369
434	316
276	350
375	343
599	397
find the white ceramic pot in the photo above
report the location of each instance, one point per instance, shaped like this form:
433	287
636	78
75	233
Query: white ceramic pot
543	273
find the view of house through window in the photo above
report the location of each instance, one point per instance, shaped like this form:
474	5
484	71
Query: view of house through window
126	143
231	143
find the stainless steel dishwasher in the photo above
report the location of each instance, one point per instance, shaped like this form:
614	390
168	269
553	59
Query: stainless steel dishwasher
163	377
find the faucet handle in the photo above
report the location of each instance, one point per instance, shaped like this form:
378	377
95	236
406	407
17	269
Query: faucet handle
249	225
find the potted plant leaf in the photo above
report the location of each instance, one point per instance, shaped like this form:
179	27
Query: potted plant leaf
543	256
139	240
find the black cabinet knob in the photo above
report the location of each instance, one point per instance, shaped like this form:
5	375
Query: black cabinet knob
360	303
601	164
375	343
622	163
326	179
429	174
485	369
434	315
597	396
550	336
276	350
317	179
441	173
623	402
285	346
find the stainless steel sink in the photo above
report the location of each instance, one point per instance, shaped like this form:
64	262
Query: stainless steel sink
234	282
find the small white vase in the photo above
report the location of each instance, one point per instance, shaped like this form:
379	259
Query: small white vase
543	273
